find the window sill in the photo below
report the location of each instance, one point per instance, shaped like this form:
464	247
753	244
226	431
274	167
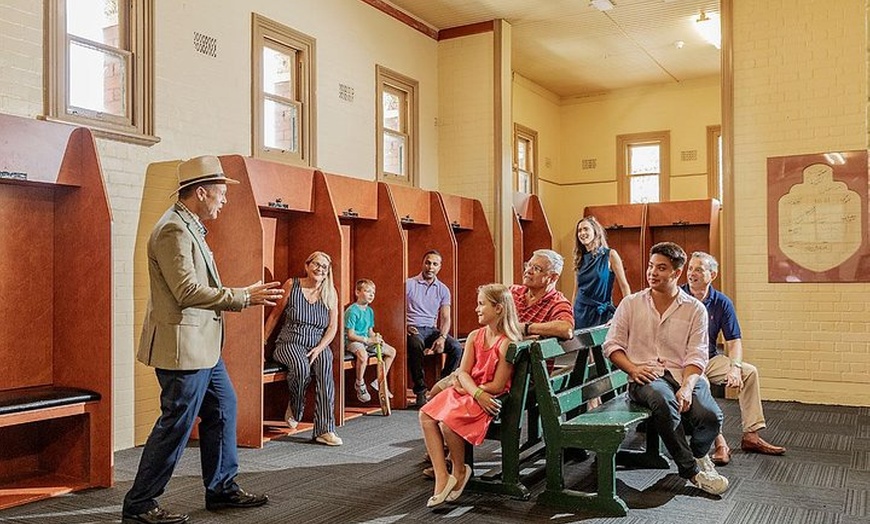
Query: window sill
130	137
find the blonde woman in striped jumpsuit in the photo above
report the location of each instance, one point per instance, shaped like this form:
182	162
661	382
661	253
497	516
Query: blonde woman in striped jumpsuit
310	320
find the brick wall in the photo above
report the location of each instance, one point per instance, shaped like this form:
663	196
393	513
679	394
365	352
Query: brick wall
800	86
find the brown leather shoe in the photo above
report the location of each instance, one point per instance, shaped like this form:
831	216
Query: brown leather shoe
155	515
761	446
721	456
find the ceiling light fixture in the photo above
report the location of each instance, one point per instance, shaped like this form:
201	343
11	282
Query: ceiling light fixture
709	28
602	5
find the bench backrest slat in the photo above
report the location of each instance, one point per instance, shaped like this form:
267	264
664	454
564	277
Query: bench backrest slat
570	390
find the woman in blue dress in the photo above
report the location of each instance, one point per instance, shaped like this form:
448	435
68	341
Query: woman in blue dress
595	266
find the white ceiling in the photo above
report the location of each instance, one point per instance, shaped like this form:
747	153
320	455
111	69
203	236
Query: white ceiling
572	49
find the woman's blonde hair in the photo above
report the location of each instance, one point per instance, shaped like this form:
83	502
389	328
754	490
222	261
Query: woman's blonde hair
328	295
500	295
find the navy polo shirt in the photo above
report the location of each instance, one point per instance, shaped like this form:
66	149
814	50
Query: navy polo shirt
722	317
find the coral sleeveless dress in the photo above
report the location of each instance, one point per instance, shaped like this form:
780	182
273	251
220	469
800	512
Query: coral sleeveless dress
460	411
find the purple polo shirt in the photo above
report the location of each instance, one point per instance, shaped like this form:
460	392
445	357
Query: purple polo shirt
425	300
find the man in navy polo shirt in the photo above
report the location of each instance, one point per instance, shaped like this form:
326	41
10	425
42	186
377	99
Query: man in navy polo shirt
728	369
428	323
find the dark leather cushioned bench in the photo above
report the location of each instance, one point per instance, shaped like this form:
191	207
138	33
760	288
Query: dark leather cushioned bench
270	367
42	397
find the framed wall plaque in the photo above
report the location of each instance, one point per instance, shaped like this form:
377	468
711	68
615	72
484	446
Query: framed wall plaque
817	218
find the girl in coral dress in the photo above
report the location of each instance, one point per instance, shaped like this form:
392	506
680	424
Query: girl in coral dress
463	411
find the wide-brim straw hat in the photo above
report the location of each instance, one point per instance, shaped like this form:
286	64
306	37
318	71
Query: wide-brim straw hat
202	170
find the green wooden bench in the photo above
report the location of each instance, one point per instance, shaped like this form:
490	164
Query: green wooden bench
568	423
507	429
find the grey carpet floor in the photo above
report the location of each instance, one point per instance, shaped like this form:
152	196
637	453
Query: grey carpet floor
375	479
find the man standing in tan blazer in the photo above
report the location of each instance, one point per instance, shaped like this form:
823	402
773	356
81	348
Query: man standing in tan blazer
182	338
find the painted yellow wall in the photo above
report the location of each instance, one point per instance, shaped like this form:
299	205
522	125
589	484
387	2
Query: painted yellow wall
587	129
466	136
800	86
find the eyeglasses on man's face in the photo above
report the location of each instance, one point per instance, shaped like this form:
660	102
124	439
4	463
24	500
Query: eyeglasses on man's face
533	268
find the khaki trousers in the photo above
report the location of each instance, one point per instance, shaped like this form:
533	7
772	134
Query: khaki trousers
749	395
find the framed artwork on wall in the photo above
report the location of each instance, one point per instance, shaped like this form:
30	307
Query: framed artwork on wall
817	218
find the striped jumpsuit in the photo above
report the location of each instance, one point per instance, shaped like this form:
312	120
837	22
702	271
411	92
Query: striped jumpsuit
303	327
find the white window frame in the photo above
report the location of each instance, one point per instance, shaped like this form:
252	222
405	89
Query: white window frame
623	143
136	20
408	88
523	133
268	33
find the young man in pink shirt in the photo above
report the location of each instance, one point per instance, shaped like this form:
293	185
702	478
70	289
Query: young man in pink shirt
659	338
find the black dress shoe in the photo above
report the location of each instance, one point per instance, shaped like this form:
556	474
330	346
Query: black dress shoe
156	515
235	499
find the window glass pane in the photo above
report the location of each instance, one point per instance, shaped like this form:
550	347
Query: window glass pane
524	182
392	111
96	20
97	80
281	126
522	153
644	159
644	189
278	70
394	154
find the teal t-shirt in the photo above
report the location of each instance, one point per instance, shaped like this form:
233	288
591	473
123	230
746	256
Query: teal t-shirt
359	319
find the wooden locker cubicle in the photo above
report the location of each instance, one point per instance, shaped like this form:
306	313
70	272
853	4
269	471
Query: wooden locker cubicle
275	218
372	248
56	335
534	231
425	226
475	252
632	229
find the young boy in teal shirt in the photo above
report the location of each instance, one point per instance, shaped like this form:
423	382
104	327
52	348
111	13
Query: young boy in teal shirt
361	339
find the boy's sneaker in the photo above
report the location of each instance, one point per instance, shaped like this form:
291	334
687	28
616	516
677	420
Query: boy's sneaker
362	394
711	482
374	386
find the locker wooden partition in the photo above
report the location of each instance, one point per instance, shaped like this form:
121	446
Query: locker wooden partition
475	252
632	229
372	247
534	231
56	334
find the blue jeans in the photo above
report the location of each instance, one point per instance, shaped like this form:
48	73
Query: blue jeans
185	395
418	343
701	423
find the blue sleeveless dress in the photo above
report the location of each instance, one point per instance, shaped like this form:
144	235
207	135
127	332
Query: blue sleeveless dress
593	304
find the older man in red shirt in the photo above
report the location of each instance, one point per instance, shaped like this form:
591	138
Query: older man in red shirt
543	311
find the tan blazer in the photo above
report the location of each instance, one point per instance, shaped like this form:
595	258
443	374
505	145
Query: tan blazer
184	326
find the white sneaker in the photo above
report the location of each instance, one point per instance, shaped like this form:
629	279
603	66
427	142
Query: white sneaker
711	482
705	463
362	393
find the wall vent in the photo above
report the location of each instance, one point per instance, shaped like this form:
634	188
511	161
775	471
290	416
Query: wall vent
589	163
345	93
689	156
204	44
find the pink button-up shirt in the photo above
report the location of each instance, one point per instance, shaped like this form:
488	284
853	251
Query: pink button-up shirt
664	342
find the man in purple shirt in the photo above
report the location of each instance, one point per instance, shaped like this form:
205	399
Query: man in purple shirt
659	338
428	323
